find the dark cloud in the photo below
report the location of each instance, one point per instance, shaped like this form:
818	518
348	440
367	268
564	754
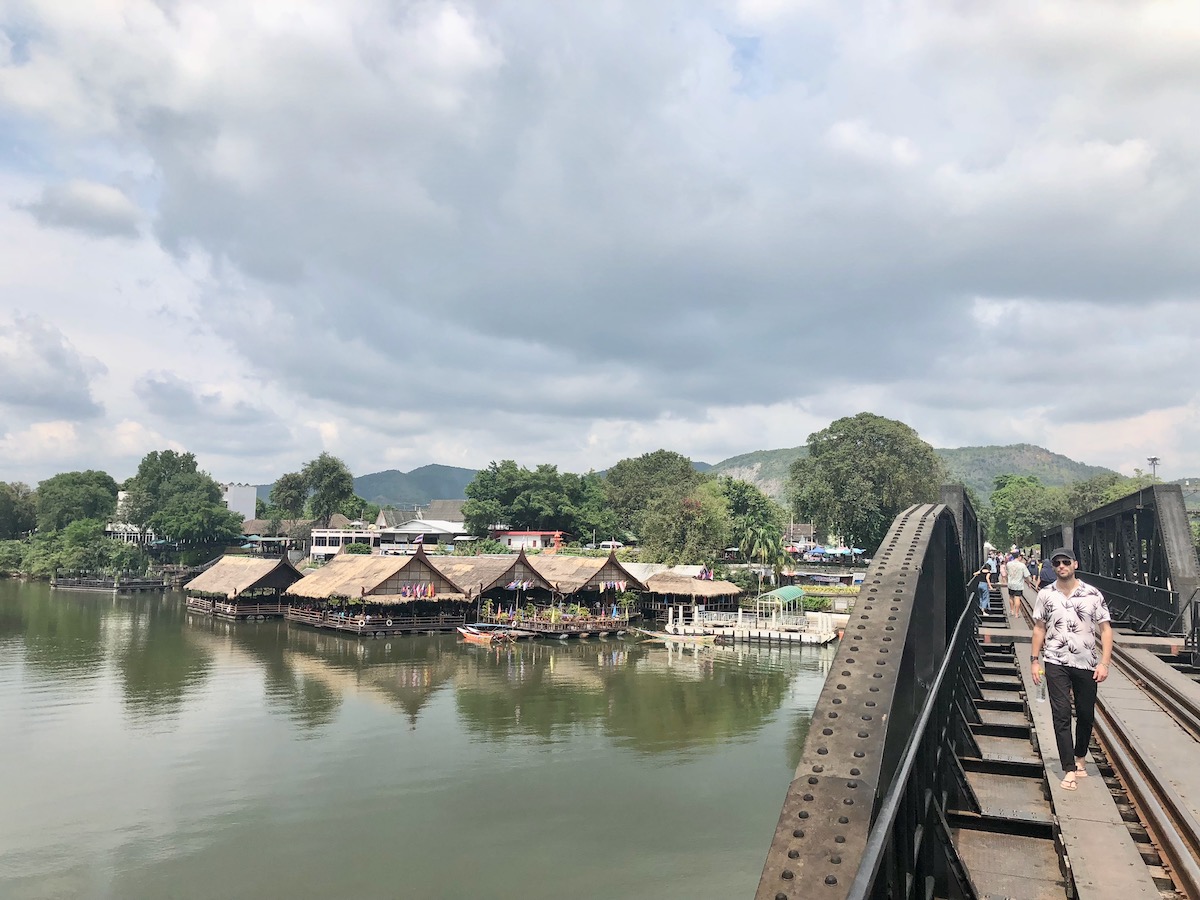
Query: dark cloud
43	375
96	209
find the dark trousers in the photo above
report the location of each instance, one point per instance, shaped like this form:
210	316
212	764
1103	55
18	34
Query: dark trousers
1061	683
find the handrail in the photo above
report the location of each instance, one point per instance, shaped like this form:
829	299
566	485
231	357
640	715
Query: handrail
881	829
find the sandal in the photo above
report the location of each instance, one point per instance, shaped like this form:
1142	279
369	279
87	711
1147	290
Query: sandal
1068	783
1080	770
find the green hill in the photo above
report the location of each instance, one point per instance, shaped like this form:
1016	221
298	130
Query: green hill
416	488
977	467
767	469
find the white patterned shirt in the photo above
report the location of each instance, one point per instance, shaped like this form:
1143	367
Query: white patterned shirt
1071	624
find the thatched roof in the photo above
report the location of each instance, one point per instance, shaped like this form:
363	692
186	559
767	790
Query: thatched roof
234	575
570	574
479	574
449	510
348	575
289	527
681	586
376	579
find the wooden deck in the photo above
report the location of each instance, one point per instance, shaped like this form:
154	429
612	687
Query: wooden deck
222	609
108	584
373	625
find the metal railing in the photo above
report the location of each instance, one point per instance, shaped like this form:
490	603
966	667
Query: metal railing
906	848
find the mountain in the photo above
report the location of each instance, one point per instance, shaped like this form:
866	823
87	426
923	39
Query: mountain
1191	492
767	469
416	488
976	467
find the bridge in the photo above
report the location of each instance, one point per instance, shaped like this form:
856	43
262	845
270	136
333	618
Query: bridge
928	770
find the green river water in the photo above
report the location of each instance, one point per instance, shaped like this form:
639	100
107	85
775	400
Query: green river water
151	753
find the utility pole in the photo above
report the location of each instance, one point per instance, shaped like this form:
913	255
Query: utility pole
1153	460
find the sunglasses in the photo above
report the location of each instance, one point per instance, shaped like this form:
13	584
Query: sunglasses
1060	562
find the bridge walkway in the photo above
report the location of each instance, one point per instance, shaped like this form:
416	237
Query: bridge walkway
1105	844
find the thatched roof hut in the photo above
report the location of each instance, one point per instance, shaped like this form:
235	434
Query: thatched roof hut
572	574
673	585
233	576
387	580
480	574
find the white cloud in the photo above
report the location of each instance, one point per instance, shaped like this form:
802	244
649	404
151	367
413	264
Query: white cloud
459	231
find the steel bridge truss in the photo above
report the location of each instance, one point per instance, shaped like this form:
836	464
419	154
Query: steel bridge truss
1138	551
881	780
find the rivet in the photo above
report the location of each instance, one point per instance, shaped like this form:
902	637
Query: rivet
826	731
858	754
808	797
836	860
866	718
818	768
812	780
787	874
822	750
848	802
793	854
864	734
870	703
841	687
831	879
851	784
842	820
833	715
803	814
781	896
799	832
837	701
846	672
840	839
855	772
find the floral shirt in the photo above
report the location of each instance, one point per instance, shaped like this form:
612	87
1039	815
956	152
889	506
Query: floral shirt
1071	624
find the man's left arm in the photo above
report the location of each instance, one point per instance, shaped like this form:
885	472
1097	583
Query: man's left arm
1106	645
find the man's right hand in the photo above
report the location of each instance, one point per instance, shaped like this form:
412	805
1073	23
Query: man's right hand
1037	673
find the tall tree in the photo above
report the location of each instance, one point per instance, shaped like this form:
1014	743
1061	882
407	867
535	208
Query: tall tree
1023	509
172	497
72	496
685	527
634	484
289	494
18	510
750	508
860	473
329	484
541	499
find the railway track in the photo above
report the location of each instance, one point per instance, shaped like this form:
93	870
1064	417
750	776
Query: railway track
1167	817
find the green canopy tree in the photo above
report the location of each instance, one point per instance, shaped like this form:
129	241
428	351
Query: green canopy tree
172	497
750	508
633	485
71	496
1023	509
540	499
860	472
289	495
686	528
329	484
18	510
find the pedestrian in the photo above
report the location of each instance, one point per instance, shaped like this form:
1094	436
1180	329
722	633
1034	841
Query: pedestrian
1015	576
1046	576
1067	617
982	581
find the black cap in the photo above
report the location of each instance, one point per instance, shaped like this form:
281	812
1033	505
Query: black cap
1063	551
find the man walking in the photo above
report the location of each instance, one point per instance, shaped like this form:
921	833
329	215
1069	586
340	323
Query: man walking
1015	574
1066	619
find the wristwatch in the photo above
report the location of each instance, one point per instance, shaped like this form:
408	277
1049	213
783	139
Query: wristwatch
1033	658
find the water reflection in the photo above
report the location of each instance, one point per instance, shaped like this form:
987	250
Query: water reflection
62	636
158	664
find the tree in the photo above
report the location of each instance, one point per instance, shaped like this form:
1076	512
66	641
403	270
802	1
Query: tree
172	497
356	508
329	483
633	485
1023	509
358	548
685	528
860	473
750	508
289	494
540	499
71	496
18	510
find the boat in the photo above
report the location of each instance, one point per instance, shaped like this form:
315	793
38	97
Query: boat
473	635
698	640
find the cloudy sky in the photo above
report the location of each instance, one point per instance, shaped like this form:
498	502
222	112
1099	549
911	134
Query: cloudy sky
414	232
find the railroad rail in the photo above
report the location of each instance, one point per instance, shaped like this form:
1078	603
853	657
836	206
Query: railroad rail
1165	813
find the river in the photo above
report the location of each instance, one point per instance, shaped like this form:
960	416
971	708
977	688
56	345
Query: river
149	753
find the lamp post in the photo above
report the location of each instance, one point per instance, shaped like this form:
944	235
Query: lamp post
1153	460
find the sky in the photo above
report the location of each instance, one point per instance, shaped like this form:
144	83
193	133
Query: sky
426	232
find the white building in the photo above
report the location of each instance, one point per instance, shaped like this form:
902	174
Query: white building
241	498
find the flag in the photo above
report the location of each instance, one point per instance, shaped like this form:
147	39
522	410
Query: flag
419	539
